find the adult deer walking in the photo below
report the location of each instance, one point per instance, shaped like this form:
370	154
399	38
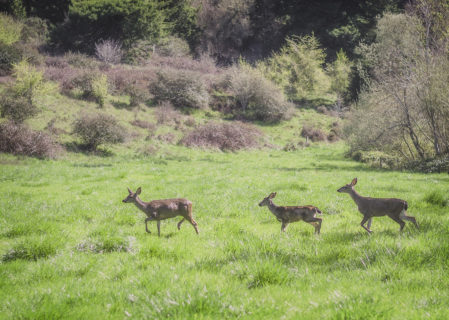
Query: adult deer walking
163	209
287	215
396	209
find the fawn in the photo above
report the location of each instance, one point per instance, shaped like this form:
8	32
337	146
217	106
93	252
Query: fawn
396	209
287	215
162	209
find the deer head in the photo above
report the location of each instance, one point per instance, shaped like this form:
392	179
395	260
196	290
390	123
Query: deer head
266	201
349	187
132	195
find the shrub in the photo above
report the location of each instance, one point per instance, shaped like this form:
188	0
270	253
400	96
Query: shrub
79	60
18	101
298	69
10	29
93	86
166	114
173	47
223	136
137	95
17	108
312	133
109	51
139	53
98	129
184	89
20	140
256	98
9	55
29	82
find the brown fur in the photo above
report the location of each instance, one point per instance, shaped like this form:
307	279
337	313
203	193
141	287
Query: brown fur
396	209
289	214
158	210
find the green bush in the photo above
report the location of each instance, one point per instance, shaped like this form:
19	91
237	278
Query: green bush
93	86
9	55
16	107
98	129
10	29
298	68
256	98
184	89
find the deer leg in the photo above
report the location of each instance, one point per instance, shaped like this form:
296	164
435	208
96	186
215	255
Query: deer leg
284	226
364	220
194	224
159	228
180	222
369	223
398	220
316	222
404	216
146	225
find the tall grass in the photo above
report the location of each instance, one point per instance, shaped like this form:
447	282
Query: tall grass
71	249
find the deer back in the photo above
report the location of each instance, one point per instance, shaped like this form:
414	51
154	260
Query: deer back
381	206
296	213
168	208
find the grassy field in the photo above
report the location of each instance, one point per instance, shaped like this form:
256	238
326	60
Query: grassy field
70	248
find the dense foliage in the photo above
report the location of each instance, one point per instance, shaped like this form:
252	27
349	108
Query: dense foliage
407	91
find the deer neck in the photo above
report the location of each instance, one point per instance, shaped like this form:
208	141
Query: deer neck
273	208
356	197
140	204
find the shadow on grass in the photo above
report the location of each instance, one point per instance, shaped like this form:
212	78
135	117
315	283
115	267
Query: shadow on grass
76	147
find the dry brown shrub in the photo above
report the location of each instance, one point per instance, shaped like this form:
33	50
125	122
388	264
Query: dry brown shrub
312	133
167	137
224	136
166	114
20	140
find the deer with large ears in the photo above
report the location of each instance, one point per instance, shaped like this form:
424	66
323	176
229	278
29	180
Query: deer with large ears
287	215
162	209
396	209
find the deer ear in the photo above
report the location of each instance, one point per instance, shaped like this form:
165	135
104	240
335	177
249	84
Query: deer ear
272	195
139	190
129	190
354	182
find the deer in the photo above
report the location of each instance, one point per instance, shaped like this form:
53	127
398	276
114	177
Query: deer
291	214
158	210
396	209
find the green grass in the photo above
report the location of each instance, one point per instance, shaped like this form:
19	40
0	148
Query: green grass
70	248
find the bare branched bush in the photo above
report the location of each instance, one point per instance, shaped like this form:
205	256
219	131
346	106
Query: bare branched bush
312	133
166	114
109	51
184	89
20	140
224	136
97	129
